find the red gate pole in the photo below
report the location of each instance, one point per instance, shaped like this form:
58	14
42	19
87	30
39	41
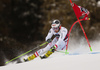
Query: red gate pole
85	36
78	20
70	32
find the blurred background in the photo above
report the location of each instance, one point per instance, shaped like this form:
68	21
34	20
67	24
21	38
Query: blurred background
24	24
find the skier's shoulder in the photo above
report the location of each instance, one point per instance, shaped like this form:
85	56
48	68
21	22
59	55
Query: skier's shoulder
63	29
51	30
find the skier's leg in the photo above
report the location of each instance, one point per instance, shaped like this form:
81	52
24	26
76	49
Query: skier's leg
41	51
60	45
38	53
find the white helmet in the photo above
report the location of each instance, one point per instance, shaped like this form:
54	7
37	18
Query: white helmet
56	24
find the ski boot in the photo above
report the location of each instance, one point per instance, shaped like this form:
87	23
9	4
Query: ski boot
25	60
30	58
48	53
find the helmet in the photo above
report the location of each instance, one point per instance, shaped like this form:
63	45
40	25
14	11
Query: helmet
56	24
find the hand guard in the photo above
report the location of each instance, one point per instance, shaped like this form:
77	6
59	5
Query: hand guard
49	40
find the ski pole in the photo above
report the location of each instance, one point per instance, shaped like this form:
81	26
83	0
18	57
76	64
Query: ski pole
26	52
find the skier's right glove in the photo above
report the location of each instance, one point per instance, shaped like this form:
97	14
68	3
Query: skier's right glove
49	40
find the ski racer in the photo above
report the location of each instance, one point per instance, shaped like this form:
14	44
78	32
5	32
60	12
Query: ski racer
58	43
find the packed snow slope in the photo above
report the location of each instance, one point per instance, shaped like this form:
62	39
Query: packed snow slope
60	61
79	58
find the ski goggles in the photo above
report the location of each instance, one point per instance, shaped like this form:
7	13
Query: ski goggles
55	28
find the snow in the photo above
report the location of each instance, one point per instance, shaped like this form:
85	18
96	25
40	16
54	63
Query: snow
60	62
80	58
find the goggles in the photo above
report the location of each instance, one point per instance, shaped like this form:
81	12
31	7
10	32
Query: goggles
55	28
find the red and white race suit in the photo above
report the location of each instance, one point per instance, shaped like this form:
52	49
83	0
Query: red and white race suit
60	40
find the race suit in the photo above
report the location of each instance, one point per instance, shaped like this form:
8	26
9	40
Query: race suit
60	40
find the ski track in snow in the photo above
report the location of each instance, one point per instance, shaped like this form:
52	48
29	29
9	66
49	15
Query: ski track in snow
79	58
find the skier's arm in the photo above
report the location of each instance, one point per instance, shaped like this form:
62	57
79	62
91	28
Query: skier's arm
63	34
50	34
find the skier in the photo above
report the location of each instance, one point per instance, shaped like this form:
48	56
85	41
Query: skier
84	12
58	43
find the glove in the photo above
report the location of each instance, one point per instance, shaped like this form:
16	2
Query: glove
53	49
49	40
